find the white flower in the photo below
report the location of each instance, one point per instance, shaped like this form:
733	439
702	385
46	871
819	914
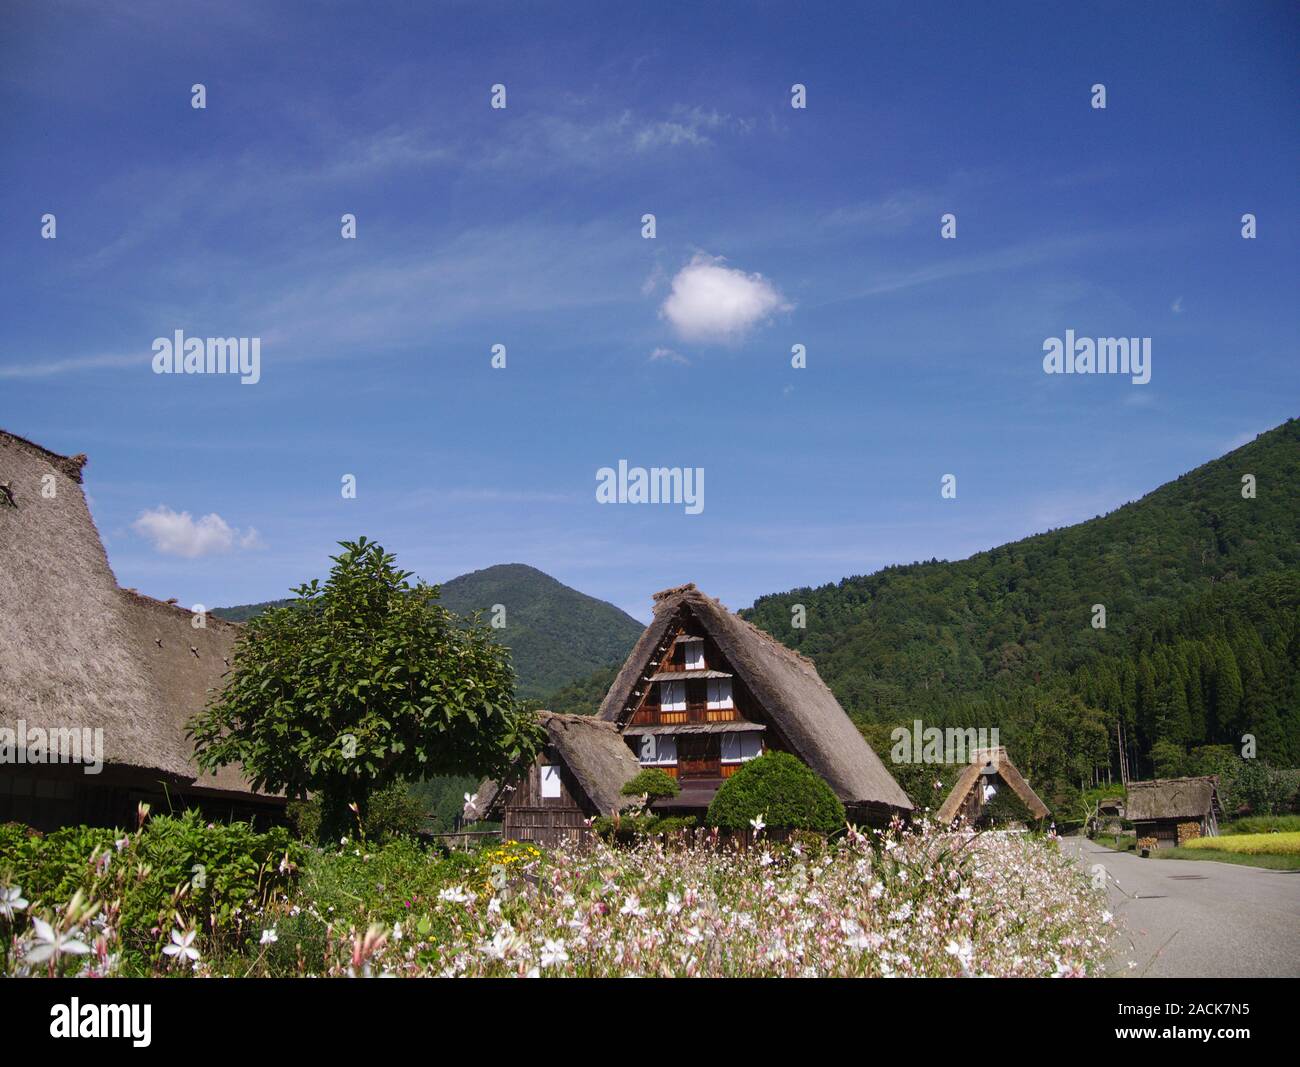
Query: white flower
553	953
757	823
397	931
632	906
1106	917
182	946
693	936
455	895
54	943
269	937
854	937
674	904
964	952
11	900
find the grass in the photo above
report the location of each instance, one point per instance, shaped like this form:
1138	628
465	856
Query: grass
1263	824
1272	862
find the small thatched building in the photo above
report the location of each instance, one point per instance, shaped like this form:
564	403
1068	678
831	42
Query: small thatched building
79	655
702	693
578	776
978	784
1168	812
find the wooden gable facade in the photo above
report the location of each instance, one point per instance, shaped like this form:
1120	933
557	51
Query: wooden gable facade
978	783
696	719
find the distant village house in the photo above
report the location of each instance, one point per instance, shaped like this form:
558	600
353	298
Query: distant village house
1168	812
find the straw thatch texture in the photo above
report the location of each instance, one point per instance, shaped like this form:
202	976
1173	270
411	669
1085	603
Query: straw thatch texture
1172	798
785	683
76	650
66	658
969	778
595	753
185	665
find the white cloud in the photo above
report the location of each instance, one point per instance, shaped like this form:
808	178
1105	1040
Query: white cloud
1177	306
713	303
660	355
178	534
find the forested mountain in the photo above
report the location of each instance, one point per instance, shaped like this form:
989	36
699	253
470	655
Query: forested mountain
1200	582
555	634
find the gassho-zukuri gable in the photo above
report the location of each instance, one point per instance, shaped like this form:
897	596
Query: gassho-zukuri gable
702	693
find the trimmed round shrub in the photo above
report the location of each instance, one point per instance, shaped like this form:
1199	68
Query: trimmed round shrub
653	784
785	793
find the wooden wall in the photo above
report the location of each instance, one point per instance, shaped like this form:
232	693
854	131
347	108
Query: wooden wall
547	821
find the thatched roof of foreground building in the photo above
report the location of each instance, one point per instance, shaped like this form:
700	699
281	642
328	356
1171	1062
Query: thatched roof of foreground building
592	749
1172	798
784	682
990	761
77	651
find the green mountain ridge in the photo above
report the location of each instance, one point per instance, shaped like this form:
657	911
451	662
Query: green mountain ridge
555	634
1199	584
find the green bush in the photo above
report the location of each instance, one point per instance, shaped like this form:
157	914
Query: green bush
653	784
215	875
785	793
393	812
1262	824
629	829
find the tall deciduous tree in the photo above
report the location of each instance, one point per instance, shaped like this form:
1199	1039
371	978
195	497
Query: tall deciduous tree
361	682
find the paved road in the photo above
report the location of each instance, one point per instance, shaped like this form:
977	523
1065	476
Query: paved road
1198	918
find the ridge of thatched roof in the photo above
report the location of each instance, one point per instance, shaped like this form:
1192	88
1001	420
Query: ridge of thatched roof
1171	798
785	683
1000	762
69	466
77	651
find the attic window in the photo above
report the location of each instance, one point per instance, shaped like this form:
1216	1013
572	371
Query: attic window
550	781
694	647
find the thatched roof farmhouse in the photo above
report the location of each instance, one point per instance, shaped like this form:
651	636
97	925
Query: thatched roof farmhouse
1167	812
583	765
702	693
78	654
988	769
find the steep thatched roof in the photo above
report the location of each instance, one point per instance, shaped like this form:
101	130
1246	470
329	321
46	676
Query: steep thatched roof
185	665
594	751
66	643
996	760
596	754
785	683
1172	798
76	650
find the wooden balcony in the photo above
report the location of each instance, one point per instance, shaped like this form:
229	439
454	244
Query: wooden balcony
695	712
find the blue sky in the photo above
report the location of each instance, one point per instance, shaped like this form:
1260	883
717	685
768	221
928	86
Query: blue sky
522	226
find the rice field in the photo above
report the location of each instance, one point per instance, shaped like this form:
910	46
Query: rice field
1287	844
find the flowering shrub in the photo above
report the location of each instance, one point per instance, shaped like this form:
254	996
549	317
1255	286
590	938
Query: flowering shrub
896	903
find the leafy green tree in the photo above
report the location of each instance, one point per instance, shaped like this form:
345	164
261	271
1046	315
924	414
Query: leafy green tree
359	683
